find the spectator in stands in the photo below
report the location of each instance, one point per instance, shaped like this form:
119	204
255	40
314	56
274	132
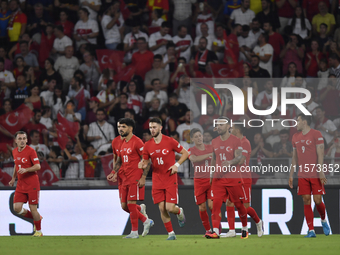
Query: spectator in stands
292	52
35	99
300	24
207	137
18	22
142	60
61	41
269	16
107	96
21	93
177	110
284	148
91	70
92	7
38	147
156	92
218	43
323	17
7	81
204	17
245	42
179	72
312	59
156	18
169	58
46	117
183	42
157	72
146	135
135	100
184	91
324	125
5	17
242	16
285	11
271	129
233	42
334	64
277	42
47	95
100	132
112	25
70	114
329	97
119	107
86	30
130	41
182	14
229	7
323	74
256	71
49	74
76	87
289	79
30	59
59	101
66	66
169	124
311	8
255	31
7	62
90	158
207	121
265	97
155	105
19	66
38	21
67	25
184	128
203	57
158	41
91	114
204	33
183	170
35	124
260	150
334	151
265	52
75	166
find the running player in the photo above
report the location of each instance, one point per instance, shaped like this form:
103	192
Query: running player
200	156
161	149
26	165
116	144
237	130
308	153
133	187
226	180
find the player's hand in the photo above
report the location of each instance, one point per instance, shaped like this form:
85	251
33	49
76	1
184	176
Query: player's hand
323	180
141	182
11	183
142	165
290	182
22	171
226	163
112	177
173	169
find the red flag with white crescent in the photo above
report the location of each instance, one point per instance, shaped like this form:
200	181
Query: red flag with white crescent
108	164
62	136
112	59
17	119
5	178
80	97
69	127
46	175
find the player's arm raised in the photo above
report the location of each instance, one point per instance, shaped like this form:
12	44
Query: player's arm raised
194	158
320	151
11	183
144	164
184	156
292	168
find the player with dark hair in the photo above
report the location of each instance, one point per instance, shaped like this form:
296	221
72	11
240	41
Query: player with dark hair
238	130
161	150
200	156
308	154
226	179
26	165
133	187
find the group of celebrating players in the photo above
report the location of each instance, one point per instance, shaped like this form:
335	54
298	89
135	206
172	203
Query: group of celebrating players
133	160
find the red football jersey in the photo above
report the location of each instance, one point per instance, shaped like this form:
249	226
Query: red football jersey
246	150
130	155
307	158
225	151
201	167
163	157
116	145
26	158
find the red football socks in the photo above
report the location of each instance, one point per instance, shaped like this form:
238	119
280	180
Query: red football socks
205	220
251	212
141	216
242	213
138	207
179	211
215	216
231	217
28	215
309	215
37	225
322	210
168	227
133	216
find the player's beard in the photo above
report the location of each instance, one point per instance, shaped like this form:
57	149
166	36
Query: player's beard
156	134
124	134
222	132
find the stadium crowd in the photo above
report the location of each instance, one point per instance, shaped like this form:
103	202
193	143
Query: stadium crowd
49	61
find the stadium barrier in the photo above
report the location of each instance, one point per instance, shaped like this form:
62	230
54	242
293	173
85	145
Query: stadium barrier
96	211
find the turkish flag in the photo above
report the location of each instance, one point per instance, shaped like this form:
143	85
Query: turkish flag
226	71
5	178
46	175
80	97
62	136
112	59
16	120
69	127
229	56
107	164
126	74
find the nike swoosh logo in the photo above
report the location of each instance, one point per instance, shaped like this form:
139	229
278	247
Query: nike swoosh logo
320	190
173	198
34	200
151	153
133	196
241	197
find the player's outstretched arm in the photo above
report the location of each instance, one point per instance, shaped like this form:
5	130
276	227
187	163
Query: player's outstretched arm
320	151
292	168
213	162
33	168
194	158
184	156
11	183
141	182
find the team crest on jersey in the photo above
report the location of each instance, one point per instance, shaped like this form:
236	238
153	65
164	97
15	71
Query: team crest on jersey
23	160
158	151
128	151
308	142
165	151
228	149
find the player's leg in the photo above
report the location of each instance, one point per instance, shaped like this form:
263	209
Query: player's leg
36	219
201	196
305	190
166	220
171	199
133	219
204	216
231	218
19	200
251	212
320	206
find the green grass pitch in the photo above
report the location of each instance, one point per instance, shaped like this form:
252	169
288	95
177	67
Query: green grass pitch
156	244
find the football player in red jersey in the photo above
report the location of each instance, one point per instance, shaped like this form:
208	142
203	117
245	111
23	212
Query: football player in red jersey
161	149
308	154
26	165
225	176
200	155
237	130
133	187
